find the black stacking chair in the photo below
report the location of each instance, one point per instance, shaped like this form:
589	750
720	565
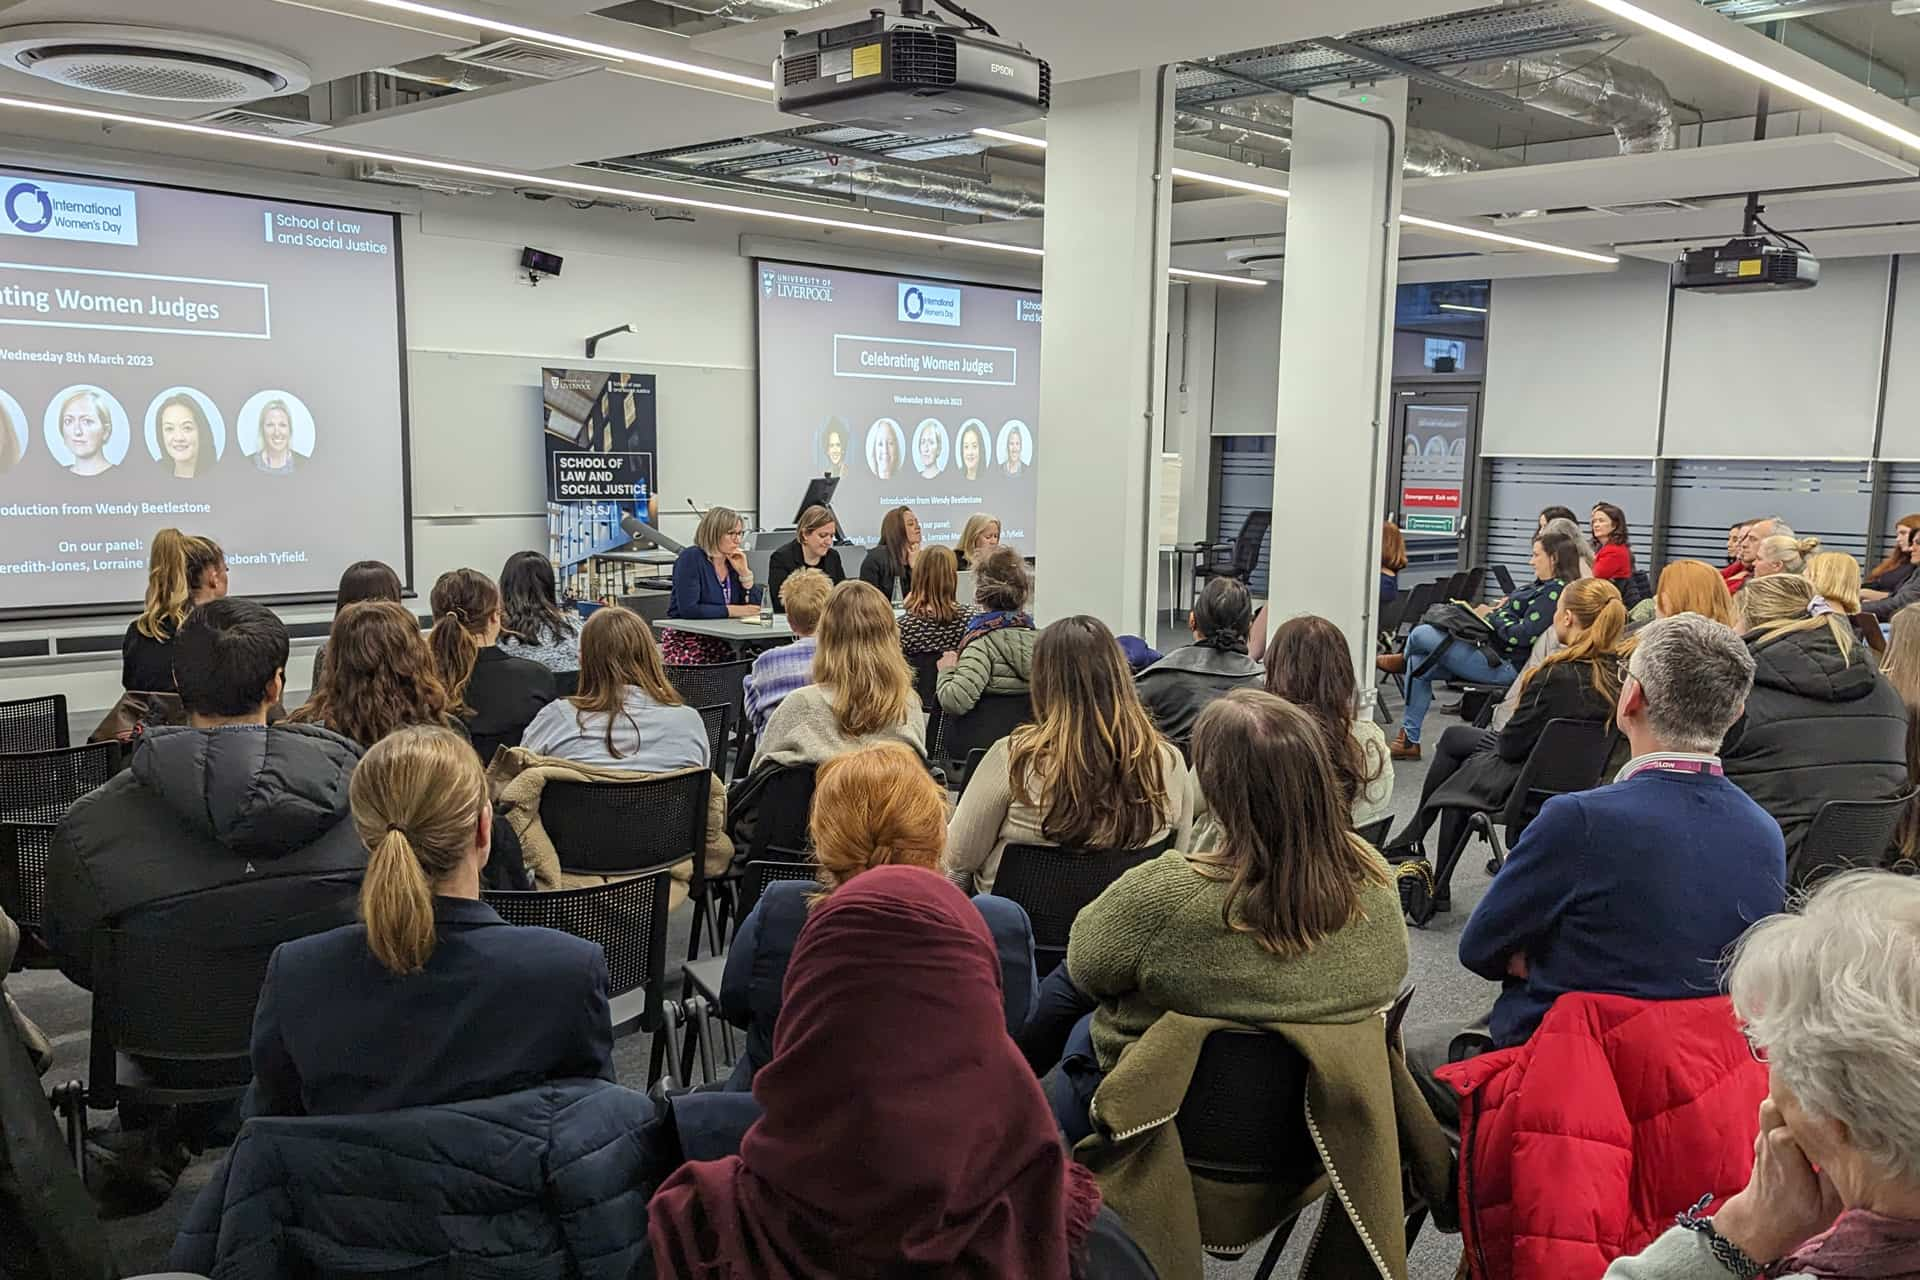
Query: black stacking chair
705	976
38	786
23	886
628	918
719	721
34	724
994	717
1571	755
1849	833
617	828
1374	833
1053	884
1245	551
711	683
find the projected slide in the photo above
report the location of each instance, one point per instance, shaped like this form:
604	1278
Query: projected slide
916	392
224	364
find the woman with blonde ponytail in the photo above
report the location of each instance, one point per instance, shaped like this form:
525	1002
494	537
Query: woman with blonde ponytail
1578	681
183	571
495	694
432	998
1821	723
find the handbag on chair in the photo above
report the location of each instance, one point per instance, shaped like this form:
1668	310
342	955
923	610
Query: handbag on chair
1460	625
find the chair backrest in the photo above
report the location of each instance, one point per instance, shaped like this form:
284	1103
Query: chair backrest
1418	601
1474	583
628	918
603	827
1374	833
1246	543
34	724
1454	588
926	678
1053	884
1850	833
38	786
780	817
762	874
651	605
718	718
1867	627
1571	755
708	683
974	757
993	717
566	683
23	871
1244	1116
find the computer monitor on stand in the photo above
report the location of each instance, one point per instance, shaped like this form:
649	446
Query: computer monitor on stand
820	494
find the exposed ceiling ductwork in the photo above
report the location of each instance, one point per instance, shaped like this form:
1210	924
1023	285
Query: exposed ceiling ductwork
1265	125
1000	197
744	10
1590	88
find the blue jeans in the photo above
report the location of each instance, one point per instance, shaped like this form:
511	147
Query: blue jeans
1460	662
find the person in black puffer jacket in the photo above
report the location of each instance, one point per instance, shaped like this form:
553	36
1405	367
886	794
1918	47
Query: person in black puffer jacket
1822	724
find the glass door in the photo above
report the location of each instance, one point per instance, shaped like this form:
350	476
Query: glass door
1435	431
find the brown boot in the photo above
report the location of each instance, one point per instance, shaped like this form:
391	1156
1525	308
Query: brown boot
1391	663
1401	749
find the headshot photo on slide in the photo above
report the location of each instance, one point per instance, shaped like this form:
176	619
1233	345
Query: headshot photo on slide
86	430
930	448
830	448
185	433
886	449
275	429
975	452
14	435
1016	447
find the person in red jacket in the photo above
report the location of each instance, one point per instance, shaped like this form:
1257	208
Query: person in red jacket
1614	558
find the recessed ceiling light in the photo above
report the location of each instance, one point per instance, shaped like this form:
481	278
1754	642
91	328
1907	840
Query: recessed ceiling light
1187	273
1461	306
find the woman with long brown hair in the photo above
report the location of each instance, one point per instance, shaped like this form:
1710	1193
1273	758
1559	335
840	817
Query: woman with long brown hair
1293	918
379	676
1902	670
452	1002
1090	772
862	690
934	620
1892	572
494	693
874	807
183	571
626	714
1310	665
361	580
889	562
1578	681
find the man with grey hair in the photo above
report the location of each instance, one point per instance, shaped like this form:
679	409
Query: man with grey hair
1634	889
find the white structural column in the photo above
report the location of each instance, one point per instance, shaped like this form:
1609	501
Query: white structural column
1102	350
1336	336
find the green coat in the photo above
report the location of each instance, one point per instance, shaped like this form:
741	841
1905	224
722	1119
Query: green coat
998	662
1367	1119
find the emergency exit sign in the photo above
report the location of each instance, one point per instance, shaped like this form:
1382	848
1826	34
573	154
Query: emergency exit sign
1430	524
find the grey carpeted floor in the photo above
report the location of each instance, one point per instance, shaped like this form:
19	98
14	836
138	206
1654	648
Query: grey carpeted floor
1444	992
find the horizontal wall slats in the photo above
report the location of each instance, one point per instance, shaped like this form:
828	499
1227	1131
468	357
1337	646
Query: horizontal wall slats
1520	487
1826	500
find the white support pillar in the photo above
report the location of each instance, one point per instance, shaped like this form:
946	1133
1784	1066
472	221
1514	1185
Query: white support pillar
1336	346
1103	349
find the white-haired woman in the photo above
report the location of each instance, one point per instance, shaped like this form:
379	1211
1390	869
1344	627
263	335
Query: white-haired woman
1831	1001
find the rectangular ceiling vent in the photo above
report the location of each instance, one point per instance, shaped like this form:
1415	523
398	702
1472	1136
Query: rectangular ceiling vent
1647	206
529	58
244	120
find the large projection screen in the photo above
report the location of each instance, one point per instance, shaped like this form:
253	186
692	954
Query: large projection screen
228	365
913	391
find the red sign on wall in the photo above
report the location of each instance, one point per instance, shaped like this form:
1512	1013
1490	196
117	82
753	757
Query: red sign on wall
1448	499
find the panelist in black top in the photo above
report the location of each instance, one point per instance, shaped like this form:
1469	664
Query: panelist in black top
890	562
811	548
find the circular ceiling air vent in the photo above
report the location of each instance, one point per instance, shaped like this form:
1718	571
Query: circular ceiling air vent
150	62
1264	262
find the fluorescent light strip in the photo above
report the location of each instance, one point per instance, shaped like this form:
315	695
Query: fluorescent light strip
1233	184
613	53
1741	62
1186	273
1014	139
1461	306
314	147
1475	233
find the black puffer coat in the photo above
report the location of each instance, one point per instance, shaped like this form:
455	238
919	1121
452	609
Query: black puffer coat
1819	726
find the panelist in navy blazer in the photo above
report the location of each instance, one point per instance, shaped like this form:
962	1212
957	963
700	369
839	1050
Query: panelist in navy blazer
710	580
434	999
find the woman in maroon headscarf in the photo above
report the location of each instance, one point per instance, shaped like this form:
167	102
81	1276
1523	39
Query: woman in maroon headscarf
902	1128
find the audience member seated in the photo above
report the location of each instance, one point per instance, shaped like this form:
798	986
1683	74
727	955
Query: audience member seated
1892	573
996	650
1821	724
1088	773
448	999
1902	670
978	537
533	623
183	572
1393	560
1694	586
1632	889
225	829
1176	689
888	566
933	621
871	808
1580	681
862	690
1292	919
780	670
952	1168
1783	553
379	677
1569	528
1613	559
495	694
1310	665
1908	592
811	548
1835	576
1549	514
362	580
711	579
1512	625
1828	999
627	714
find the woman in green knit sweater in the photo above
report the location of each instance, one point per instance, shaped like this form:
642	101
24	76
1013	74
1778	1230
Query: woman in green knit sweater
1293	918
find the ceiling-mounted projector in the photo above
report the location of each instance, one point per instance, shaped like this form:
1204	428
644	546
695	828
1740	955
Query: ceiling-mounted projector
1746	262
915	74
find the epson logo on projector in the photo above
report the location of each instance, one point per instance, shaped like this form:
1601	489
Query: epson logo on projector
69	211
929	304
800	288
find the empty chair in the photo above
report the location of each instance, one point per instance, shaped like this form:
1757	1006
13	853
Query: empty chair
34	724
1244	551
38	786
714	683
